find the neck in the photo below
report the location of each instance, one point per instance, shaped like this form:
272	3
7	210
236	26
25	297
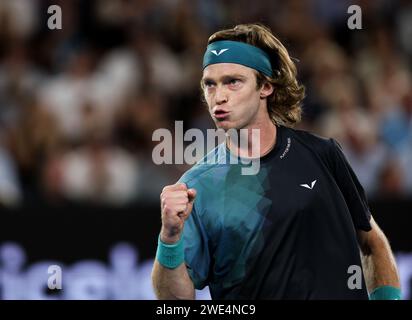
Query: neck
254	141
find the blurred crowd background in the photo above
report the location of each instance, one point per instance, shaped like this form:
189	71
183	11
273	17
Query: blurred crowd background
78	106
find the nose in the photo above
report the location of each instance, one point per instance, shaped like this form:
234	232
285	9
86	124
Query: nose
221	95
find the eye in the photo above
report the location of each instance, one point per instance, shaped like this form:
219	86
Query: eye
208	84
233	82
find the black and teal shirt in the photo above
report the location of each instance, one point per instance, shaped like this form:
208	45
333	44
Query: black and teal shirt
288	232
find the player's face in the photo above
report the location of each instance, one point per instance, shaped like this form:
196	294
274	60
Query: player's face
231	95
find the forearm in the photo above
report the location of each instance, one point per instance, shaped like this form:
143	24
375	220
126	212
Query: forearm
170	284
378	262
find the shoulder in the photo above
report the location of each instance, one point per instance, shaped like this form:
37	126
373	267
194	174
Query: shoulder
324	147
311	138
205	167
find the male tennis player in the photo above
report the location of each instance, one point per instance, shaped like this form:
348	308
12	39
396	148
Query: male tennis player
298	229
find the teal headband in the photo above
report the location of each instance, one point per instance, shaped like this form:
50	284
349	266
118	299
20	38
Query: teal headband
240	53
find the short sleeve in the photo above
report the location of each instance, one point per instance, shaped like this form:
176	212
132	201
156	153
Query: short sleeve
197	257
350	187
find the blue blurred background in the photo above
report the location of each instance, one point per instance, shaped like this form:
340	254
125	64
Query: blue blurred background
78	107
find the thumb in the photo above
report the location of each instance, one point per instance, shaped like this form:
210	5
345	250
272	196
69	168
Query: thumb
191	194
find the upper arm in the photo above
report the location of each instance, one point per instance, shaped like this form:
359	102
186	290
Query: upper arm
369	240
350	187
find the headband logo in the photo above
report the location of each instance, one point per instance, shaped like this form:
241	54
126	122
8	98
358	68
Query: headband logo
220	52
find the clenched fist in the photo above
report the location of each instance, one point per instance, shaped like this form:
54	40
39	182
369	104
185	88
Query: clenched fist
176	202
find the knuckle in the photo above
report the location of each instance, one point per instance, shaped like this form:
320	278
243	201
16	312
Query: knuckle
181	185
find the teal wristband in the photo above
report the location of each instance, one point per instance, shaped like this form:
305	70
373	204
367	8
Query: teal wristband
170	255
386	293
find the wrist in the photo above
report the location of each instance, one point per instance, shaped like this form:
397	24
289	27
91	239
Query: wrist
170	255
169	237
385	293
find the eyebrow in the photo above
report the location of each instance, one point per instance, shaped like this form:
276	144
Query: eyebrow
225	77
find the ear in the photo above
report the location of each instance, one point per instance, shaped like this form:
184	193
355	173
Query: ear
266	90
